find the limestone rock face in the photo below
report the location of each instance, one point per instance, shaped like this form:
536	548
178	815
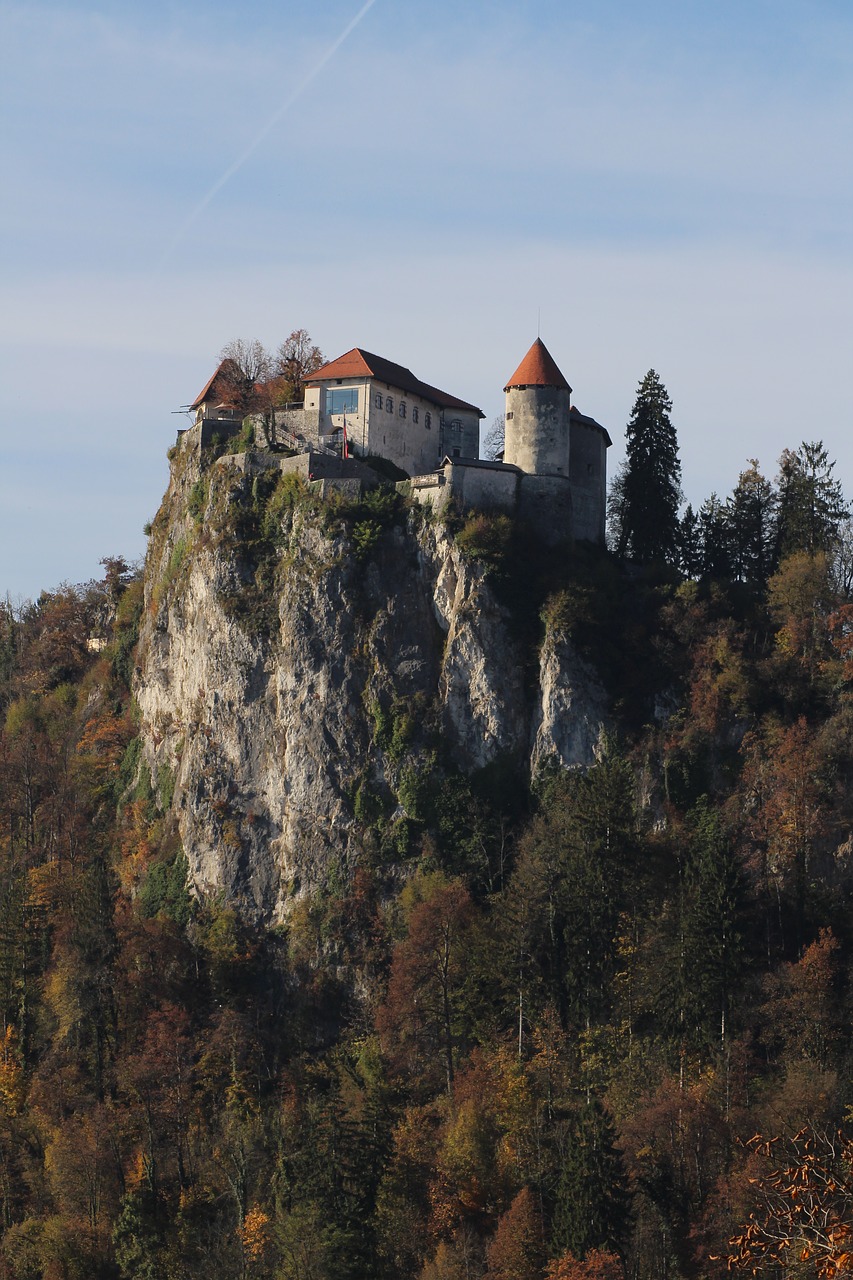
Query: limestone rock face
283	696
571	713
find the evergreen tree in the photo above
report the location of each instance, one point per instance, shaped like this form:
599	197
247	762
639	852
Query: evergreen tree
715	924
751	513
616	510
714	539
591	1206
690	560
652	482
811	505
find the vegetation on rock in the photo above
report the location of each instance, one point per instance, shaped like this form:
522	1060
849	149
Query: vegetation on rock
592	1027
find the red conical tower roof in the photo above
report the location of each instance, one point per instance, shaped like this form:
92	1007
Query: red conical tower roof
538	369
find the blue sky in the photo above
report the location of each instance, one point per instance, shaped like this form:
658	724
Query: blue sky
667	185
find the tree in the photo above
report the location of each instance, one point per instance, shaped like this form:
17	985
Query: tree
801	600
652	481
493	440
243	365
803	1206
751	511
421	1021
715	920
296	358
811	505
591	1209
517	1247
560	918
597	1265
713	534
691	551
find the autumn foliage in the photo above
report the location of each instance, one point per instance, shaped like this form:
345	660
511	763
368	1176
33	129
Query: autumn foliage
590	1026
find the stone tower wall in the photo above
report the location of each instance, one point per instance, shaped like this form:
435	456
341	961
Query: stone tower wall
588	474
545	503
537	430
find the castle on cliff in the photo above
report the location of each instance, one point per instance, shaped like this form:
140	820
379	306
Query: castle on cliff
554	468
553	472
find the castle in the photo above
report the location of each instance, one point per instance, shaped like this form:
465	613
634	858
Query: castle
554	467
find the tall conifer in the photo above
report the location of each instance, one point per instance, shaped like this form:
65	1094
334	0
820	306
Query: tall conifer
652	478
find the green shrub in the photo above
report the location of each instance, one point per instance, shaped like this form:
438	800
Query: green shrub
197	501
486	537
176	559
382	504
243	440
290	493
382	724
126	633
413	792
564	609
367	804
365	535
129	766
165	786
164	890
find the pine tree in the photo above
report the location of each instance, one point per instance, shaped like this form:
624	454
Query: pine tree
592	1205
811	506
690	551
751	513
714	539
652	480
715	923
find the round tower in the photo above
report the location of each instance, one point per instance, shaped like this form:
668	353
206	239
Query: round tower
538	399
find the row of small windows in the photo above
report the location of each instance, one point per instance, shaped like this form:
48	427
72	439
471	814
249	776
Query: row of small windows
345	400
387	403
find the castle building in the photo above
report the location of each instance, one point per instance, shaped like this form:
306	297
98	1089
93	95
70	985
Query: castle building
553	472
554	468
385	410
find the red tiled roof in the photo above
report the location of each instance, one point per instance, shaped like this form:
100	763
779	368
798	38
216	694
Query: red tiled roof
359	363
538	369
207	392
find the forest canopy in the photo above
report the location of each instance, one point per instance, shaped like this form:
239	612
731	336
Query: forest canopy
588	1026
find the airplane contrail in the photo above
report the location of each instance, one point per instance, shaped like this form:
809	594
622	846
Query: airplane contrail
270	124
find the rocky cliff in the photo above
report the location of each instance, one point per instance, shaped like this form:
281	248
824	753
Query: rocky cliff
304	662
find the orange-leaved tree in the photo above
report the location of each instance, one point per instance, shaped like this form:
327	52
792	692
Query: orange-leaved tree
803	1208
597	1265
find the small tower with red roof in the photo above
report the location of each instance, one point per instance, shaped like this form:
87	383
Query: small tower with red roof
561	453
538	403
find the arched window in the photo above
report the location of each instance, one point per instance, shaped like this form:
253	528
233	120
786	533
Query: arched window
415	414
402	408
428	420
389	404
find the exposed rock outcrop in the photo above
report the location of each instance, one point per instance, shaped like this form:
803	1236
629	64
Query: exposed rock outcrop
292	661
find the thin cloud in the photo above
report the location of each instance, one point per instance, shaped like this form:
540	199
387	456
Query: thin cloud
268	127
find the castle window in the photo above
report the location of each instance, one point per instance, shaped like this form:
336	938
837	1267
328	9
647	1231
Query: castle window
428	420
590	469
455	425
415	414
402	408
389	404
344	400
457	453
508	416
378	400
